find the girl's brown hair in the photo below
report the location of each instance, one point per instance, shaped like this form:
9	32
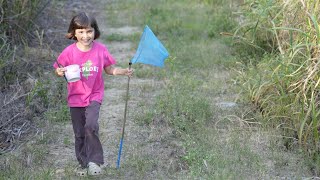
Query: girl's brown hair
82	21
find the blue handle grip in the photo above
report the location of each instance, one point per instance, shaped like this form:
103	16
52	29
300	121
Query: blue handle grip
119	153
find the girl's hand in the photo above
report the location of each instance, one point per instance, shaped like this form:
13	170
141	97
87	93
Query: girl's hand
129	72
60	71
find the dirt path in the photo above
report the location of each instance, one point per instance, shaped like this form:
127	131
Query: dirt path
112	110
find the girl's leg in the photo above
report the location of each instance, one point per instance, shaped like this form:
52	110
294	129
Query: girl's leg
93	145
78	123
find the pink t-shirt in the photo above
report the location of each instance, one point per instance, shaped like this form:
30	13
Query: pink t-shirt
92	63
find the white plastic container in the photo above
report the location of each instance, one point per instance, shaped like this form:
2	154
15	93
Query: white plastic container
73	73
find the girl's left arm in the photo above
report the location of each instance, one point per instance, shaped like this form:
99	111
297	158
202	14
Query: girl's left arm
118	71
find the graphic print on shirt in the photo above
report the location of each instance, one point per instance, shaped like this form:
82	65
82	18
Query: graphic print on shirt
88	69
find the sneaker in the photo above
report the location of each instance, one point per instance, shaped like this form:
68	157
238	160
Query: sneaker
81	171
94	169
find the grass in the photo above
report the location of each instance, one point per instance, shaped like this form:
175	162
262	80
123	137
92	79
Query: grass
27	163
118	37
229	155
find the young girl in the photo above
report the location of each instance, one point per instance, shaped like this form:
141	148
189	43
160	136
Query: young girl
85	96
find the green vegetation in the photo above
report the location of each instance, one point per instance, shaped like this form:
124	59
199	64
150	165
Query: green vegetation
279	45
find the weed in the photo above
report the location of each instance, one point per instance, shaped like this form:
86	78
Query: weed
145	117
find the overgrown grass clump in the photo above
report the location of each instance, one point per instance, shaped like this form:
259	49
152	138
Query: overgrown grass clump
279	44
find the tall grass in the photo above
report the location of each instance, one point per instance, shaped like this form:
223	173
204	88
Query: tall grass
282	81
25	88
17	27
18	18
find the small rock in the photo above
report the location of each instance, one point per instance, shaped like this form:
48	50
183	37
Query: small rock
226	104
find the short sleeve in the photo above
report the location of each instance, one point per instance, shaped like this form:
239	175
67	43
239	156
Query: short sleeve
108	59
61	60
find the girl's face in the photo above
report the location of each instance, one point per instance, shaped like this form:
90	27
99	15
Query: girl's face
85	38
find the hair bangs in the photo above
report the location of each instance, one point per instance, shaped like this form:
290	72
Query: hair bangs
82	22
